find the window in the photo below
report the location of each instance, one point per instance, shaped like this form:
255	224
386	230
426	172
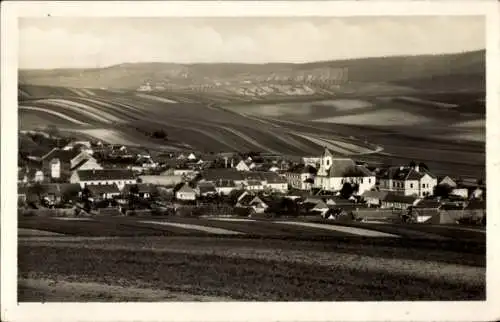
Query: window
369	180
361	180
394	184
411	185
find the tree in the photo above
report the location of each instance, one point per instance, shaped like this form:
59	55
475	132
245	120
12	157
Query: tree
38	189
442	190
86	193
70	194
422	165
412	164
347	190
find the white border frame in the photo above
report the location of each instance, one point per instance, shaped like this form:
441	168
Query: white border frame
300	311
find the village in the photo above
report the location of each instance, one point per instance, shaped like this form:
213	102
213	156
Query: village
88	178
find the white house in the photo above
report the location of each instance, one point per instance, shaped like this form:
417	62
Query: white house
408	181
192	157
311	161
87	164
186	193
334	172
225	187
55	168
120	177
242	166
300	177
254	185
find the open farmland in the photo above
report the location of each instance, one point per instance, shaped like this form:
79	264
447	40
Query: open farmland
308	260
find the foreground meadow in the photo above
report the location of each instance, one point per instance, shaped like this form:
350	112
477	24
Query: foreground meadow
169	263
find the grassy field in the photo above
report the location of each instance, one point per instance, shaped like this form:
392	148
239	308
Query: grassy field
106	258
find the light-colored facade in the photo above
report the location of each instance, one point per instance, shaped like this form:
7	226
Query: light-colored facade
334	172
408	181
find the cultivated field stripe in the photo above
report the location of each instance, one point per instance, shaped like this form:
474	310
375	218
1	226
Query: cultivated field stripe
77	109
156	98
109	136
36	232
232	219
344	229
248	139
114	107
74	218
87	91
60	115
212	230
323	142
97	113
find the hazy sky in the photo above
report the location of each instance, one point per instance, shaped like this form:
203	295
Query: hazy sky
96	42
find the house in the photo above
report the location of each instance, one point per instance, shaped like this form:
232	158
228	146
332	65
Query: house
254	185
301	176
120	177
447	181
225	187
425	209
335	171
87	164
275	182
144	190
161	180
104	191
244	199
242	166
185	172
395	201
56	192
192	157
214	175
185	193
408	181
25	175
311	161
206	189
374	198
258	205
59	162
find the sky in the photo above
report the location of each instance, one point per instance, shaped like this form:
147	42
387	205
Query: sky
69	42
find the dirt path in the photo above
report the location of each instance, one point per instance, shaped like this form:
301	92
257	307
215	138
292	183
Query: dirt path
49	290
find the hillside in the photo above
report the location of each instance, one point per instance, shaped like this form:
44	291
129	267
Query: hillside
419	71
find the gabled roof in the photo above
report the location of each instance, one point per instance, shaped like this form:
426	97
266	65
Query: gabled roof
206	187
345	167
428	203
222	174
105	174
254	183
143	187
245	201
302	168
186	188
105	188
375	194
405	173
62	155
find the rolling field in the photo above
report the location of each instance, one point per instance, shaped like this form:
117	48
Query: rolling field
240	259
372	128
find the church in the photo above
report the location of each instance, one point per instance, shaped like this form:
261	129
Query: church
334	171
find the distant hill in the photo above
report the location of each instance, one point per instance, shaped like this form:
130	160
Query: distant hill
465	69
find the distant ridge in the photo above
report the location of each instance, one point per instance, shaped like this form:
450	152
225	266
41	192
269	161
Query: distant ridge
375	69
